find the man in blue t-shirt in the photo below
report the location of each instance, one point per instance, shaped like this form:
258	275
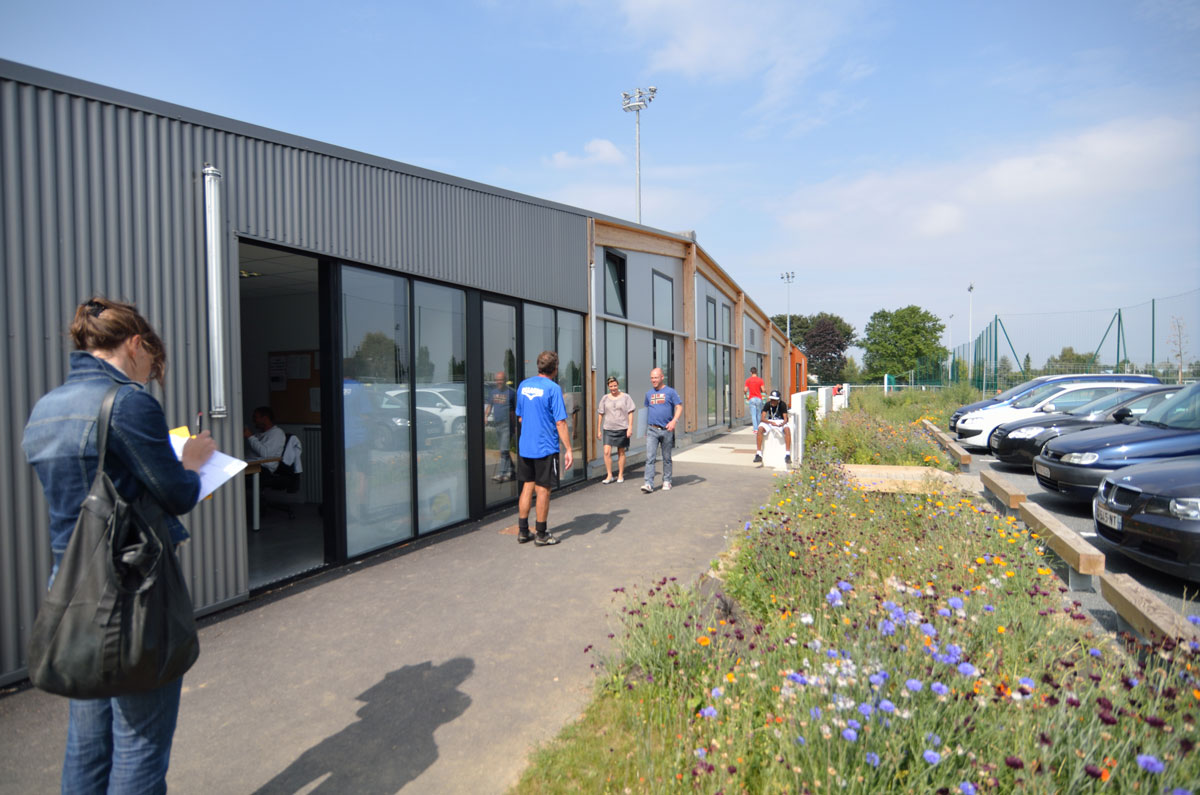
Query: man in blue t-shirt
663	409
542	414
499	417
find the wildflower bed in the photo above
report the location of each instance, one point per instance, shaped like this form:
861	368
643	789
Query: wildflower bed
877	643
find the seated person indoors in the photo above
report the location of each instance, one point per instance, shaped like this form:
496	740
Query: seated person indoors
270	439
774	416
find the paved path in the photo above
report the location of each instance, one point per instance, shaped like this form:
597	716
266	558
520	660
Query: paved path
434	668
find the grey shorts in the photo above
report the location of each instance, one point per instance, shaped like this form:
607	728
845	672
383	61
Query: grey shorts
616	439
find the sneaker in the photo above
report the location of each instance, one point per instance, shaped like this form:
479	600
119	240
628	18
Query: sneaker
647	488
609	479
524	537
620	480
787	459
544	540
667	486
758	458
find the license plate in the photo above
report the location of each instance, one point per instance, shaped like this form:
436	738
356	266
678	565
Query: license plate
1041	469
1108	518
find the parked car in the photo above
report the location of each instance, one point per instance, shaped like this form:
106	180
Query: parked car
977	426
1151	512
1019	441
447	403
1074	465
1024	388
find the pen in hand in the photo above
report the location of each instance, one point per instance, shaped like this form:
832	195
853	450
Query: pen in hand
199	418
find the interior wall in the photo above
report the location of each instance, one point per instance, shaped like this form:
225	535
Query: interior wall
278	323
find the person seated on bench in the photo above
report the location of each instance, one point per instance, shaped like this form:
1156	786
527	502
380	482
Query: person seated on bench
774	418
270	439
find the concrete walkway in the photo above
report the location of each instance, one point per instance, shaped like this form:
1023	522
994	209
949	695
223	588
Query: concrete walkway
433	668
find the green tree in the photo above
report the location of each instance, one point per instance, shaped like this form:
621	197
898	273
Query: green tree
1069	361
851	372
894	341
825	345
802	323
1027	366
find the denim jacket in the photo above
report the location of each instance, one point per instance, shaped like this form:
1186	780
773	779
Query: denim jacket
61	444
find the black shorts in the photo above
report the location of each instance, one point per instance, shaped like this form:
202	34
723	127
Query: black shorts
616	439
541	471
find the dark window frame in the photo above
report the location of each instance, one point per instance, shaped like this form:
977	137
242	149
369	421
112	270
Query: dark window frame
654	276
710	318
616	261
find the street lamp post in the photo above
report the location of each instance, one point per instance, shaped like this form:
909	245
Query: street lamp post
950	340
970	329
636	101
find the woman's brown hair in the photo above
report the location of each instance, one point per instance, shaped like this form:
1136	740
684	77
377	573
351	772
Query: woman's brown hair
102	324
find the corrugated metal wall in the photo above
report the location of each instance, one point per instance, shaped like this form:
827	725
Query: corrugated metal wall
101	191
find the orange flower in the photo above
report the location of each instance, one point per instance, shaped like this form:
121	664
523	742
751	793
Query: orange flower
1105	774
703	640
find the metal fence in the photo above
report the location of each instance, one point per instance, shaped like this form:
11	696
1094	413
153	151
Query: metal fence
1160	336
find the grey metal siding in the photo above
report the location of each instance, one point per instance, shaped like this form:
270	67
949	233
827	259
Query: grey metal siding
99	196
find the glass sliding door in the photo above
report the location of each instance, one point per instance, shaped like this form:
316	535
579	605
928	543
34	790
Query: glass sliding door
711	391
570	378
500	370
376	389
726	387
440	396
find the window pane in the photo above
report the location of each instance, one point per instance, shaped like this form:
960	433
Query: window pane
614	353
712	385
375	395
664	302
570	378
614	285
710	329
442	433
500	368
539	336
726	323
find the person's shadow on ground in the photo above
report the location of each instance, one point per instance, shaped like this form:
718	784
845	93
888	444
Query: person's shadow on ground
392	743
586	523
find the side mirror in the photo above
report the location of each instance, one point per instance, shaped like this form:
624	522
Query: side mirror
1123	414
1049	407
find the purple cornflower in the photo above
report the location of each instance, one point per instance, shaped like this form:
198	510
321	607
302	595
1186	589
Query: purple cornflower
701	752
929	629
914	685
865	709
850	735
797	678
888	605
1195	620
933	739
932	757
966	669
801	741
989	609
815	712
887	706
872	759
887	628
834	598
939	688
717	692
967	788
955	602
853	724
708	712
1150	763
876	680
1094	652
1025	681
944	612
844	586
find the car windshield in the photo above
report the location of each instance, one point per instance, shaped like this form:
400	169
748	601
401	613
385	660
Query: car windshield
1104	403
1019	389
1038	395
1181	411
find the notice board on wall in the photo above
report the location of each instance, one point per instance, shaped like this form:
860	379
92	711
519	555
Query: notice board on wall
294	381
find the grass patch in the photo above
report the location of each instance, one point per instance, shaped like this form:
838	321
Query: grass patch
871	643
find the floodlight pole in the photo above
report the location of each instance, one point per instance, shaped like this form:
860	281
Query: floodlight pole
971	329
788	277
636	101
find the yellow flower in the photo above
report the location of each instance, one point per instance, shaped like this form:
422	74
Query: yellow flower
792	553
1001	630
1009	574
729	677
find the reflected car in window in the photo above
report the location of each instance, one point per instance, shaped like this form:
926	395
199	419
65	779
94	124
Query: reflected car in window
1151	513
1074	465
447	403
1019	441
392	428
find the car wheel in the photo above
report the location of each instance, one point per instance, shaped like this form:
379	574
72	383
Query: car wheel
459	426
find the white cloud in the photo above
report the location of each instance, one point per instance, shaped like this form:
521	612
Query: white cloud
596	152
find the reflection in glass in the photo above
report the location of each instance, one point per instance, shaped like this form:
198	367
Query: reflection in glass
440	373
664	301
539	336
726	376
614	352
712	385
570	378
375	409
500	369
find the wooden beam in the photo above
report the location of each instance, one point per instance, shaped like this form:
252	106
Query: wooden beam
1069	545
1143	610
635	240
690	392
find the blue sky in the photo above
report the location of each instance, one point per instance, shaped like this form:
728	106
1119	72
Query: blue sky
889	153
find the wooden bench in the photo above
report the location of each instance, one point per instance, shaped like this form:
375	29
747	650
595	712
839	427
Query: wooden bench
1001	493
1142	611
957	452
1083	560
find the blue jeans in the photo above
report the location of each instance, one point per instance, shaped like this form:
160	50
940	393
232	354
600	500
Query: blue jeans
657	438
122	745
755	412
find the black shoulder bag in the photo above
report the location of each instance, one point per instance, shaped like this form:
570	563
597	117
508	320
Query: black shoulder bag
118	618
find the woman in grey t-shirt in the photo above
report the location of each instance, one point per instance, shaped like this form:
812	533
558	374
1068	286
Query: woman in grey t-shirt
615	426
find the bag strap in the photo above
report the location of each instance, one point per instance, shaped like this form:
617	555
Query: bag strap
103	420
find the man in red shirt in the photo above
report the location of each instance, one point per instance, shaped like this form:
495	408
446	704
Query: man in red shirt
753	391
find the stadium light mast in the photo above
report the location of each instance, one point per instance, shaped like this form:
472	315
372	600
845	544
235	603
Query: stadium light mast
636	101
971	329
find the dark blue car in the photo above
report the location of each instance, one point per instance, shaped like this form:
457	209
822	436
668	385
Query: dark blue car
1151	513
1074	465
1025	388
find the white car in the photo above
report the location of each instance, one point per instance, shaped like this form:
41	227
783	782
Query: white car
975	427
